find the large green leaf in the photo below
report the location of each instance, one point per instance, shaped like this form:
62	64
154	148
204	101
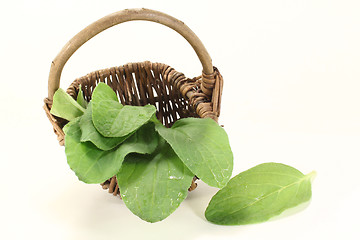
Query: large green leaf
258	194
204	148
65	106
153	186
93	165
89	133
111	118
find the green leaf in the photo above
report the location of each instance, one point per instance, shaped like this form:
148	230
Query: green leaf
204	148
258	194
89	133
67	126
153	186
81	99
93	165
65	106
111	118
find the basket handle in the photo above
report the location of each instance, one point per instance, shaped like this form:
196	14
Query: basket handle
119	17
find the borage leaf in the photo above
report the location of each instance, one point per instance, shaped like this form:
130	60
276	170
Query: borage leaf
153	186
93	165
111	118
65	106
204	148
89	133
258	194
80	99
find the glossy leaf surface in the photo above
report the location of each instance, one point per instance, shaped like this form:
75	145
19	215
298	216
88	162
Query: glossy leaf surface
65	106
111	118
90	133
258	194
153	186
93	165
204	148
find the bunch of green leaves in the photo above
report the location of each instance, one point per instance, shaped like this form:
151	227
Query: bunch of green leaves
155	165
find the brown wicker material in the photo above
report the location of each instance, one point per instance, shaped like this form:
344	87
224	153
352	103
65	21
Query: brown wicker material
174	95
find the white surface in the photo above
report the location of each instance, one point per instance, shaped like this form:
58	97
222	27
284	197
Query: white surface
291	95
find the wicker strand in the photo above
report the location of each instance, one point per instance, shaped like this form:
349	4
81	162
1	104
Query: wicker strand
208	83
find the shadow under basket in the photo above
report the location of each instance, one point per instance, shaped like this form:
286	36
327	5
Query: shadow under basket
174	95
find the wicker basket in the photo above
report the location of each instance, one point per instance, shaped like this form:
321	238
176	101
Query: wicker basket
174	95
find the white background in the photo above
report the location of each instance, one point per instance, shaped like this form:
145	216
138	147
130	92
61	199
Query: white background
291	95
